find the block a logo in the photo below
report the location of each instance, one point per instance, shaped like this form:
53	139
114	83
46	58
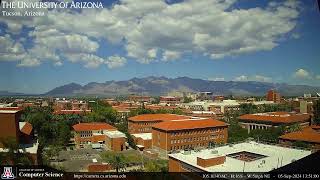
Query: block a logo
7	173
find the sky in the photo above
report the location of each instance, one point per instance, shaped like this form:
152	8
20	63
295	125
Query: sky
229	40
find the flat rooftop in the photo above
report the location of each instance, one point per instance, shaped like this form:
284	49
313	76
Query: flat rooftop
269	157
144	136
28	148
114	134
8	111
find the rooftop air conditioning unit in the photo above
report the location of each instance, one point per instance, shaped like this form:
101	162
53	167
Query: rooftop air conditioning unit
214	152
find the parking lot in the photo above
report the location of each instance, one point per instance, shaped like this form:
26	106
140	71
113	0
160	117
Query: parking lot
77	160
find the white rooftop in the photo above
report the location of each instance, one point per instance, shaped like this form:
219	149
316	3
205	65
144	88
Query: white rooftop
8	111
144	136
203	112
21	125
28	148
114	134
276	157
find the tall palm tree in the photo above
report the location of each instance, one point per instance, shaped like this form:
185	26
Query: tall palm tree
117	161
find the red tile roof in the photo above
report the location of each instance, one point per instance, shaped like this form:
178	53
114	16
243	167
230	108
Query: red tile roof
189	124
276	117
308	134
27	128
92	126
158	117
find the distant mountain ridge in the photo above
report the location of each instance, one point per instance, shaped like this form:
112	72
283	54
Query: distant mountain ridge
162	85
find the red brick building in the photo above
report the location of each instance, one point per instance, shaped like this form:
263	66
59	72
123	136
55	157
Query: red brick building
273	119
309	135
143	123
136	98
171	100
99	135
274	96
176	135
21	132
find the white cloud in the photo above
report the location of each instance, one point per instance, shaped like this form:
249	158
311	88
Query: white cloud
29	62
89	60
241	78
153	28
258	78
115	61
170	55
302	74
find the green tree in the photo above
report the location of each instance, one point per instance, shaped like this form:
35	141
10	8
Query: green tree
187	99
301	144
316	112
293	128
13	156
248	108
117	161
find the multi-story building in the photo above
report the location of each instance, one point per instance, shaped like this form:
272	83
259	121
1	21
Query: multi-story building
309	135
136	98
273	119
274	96
241	157
122	112
143	123
170	100
189	133
224	106
143	140
99	135
20	132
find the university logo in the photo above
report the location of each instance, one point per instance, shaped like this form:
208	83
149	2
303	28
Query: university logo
7	173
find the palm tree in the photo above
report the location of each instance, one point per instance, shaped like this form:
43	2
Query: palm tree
117	161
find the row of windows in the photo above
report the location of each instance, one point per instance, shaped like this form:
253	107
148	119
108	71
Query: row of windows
197	132
146	123
85	135
85	132
144	129
214	136
190	146
85	142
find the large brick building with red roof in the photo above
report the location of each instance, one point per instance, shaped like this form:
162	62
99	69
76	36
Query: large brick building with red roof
171	132
99	135
273	119
178	135
144	122
309	135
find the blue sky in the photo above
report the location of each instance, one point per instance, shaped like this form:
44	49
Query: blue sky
240	41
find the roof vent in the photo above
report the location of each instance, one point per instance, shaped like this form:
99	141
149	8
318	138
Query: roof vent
214	152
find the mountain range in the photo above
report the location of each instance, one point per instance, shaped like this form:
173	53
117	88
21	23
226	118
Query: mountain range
163	85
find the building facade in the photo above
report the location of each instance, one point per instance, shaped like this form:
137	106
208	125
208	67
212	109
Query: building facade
143	123
99	136
20	132
179	135
274	96
273	119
